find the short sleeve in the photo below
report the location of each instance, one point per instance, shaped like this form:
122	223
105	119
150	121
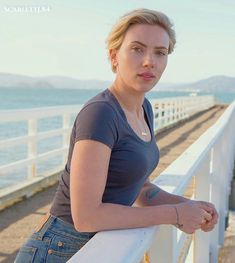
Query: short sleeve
97	121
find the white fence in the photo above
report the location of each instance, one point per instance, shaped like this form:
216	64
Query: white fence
167	112
31	139
209	163
171	110
34	182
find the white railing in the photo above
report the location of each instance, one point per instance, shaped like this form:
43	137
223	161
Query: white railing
208	162
33	137
166	111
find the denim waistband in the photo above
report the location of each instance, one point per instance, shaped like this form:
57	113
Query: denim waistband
59	226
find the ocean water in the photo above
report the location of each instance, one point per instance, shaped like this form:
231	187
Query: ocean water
24	98
15	98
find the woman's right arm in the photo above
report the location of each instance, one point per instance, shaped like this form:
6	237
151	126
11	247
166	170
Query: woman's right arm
89	169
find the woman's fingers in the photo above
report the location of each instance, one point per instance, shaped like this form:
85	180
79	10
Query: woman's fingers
209	207
197	215
215	217
207	216
204	221
206	206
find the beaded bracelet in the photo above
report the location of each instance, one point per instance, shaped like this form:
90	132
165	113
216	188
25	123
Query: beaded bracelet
178	225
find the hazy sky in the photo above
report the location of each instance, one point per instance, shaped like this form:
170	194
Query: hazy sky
67	38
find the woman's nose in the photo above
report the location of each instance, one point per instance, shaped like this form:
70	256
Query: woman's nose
149	61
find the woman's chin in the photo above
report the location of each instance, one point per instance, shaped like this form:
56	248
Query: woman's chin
145	88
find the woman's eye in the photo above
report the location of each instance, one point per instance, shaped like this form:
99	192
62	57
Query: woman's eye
137	49
161	53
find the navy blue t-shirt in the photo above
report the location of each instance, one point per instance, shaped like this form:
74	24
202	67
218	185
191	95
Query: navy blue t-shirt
132	159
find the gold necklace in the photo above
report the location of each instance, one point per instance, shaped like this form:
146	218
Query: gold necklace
143	133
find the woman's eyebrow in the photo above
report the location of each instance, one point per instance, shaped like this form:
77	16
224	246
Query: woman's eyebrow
142	44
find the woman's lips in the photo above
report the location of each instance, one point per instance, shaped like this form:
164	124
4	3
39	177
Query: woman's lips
146	76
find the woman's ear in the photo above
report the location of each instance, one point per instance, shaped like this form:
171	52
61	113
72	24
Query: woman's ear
113	59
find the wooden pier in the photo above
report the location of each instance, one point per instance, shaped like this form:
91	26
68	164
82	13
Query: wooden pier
18	221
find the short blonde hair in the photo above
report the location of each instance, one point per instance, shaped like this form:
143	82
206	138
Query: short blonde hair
139	16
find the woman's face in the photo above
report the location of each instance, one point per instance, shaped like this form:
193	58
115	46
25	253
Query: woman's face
142	57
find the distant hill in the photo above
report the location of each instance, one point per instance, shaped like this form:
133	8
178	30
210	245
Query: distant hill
212	84
216	84
60	82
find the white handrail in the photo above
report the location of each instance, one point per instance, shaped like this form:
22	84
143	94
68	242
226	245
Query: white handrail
168	111
36	113
31	117
209	161
173	109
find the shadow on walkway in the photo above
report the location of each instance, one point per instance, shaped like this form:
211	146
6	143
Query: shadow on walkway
28	206
183	137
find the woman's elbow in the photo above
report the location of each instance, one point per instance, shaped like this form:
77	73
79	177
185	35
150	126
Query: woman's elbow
84	219
85	225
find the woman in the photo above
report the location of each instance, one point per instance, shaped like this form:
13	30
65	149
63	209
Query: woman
113	151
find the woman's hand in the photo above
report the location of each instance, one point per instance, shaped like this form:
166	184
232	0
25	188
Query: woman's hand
193	215
209	225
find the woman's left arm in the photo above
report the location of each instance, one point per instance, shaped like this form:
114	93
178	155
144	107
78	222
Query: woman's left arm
153	195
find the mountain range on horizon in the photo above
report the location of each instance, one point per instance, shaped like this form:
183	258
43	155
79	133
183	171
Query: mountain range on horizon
211	84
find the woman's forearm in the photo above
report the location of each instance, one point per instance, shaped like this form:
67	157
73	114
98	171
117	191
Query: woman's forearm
114	216
106	216
151	195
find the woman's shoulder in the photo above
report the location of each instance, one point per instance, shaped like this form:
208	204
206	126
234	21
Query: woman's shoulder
98	121
101	102
99	108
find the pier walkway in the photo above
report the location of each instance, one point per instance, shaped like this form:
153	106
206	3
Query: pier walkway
18	221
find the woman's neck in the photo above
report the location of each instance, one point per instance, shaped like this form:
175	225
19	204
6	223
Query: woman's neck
130	100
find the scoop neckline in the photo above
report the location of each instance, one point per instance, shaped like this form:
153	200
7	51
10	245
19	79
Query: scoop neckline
128	125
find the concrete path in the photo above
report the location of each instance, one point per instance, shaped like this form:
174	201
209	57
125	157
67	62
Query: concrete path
18	221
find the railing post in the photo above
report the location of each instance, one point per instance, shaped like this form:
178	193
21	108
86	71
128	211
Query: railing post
163	114
216	181
181	109
185	103
160	110
222	181
32	146
178	111
171	110
164	246
202	190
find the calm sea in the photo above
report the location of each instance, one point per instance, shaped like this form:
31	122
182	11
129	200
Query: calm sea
15	98
24	98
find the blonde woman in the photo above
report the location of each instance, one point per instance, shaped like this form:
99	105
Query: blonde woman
113	151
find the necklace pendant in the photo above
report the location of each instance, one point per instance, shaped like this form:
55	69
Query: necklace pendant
144	133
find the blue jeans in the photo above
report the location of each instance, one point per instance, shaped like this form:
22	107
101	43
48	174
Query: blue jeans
56	242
